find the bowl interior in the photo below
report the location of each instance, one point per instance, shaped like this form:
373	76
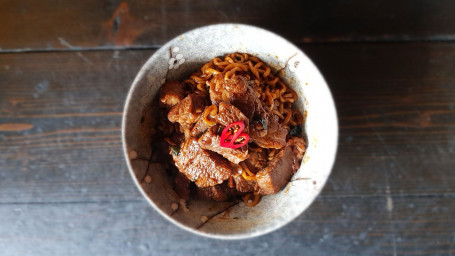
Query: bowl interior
183	56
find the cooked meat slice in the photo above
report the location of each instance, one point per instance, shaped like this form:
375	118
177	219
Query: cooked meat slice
228	114
249	103
299	146
203	167
265	128
221	192
188	111
182	186
238	92
276	134
199	128
279	170
211	141
276	139
258	126
256	161
244	98
171	93
241	184
227	89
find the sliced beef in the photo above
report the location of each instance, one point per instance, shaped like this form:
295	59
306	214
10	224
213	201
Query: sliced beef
256	161
299	146
182	186
258	126
171	93
249	103
199	128
238	92
275	136
228	114
279	170
203	167
221	192
241	184
188	111
211	141
264	127
226	90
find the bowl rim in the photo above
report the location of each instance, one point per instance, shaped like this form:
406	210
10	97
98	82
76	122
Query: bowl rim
143	70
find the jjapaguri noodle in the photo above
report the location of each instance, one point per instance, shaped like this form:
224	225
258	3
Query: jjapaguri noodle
232	130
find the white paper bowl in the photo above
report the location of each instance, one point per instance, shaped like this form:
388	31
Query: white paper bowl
192	50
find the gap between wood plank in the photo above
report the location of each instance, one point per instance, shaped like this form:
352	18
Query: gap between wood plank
443	39
82	49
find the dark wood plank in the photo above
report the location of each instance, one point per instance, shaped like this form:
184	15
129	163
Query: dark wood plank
396	106
331	226
51	24
134	228
68	146
396	137
424	225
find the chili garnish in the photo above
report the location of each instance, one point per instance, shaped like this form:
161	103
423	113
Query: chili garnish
233	136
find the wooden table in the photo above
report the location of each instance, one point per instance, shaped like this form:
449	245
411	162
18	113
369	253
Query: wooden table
65	69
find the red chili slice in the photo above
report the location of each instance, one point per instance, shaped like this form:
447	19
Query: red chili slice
233	136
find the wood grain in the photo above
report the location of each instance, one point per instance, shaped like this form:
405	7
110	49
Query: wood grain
64	187
65	69
351	226
397	116
74	102
9	127
50	24
396	132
